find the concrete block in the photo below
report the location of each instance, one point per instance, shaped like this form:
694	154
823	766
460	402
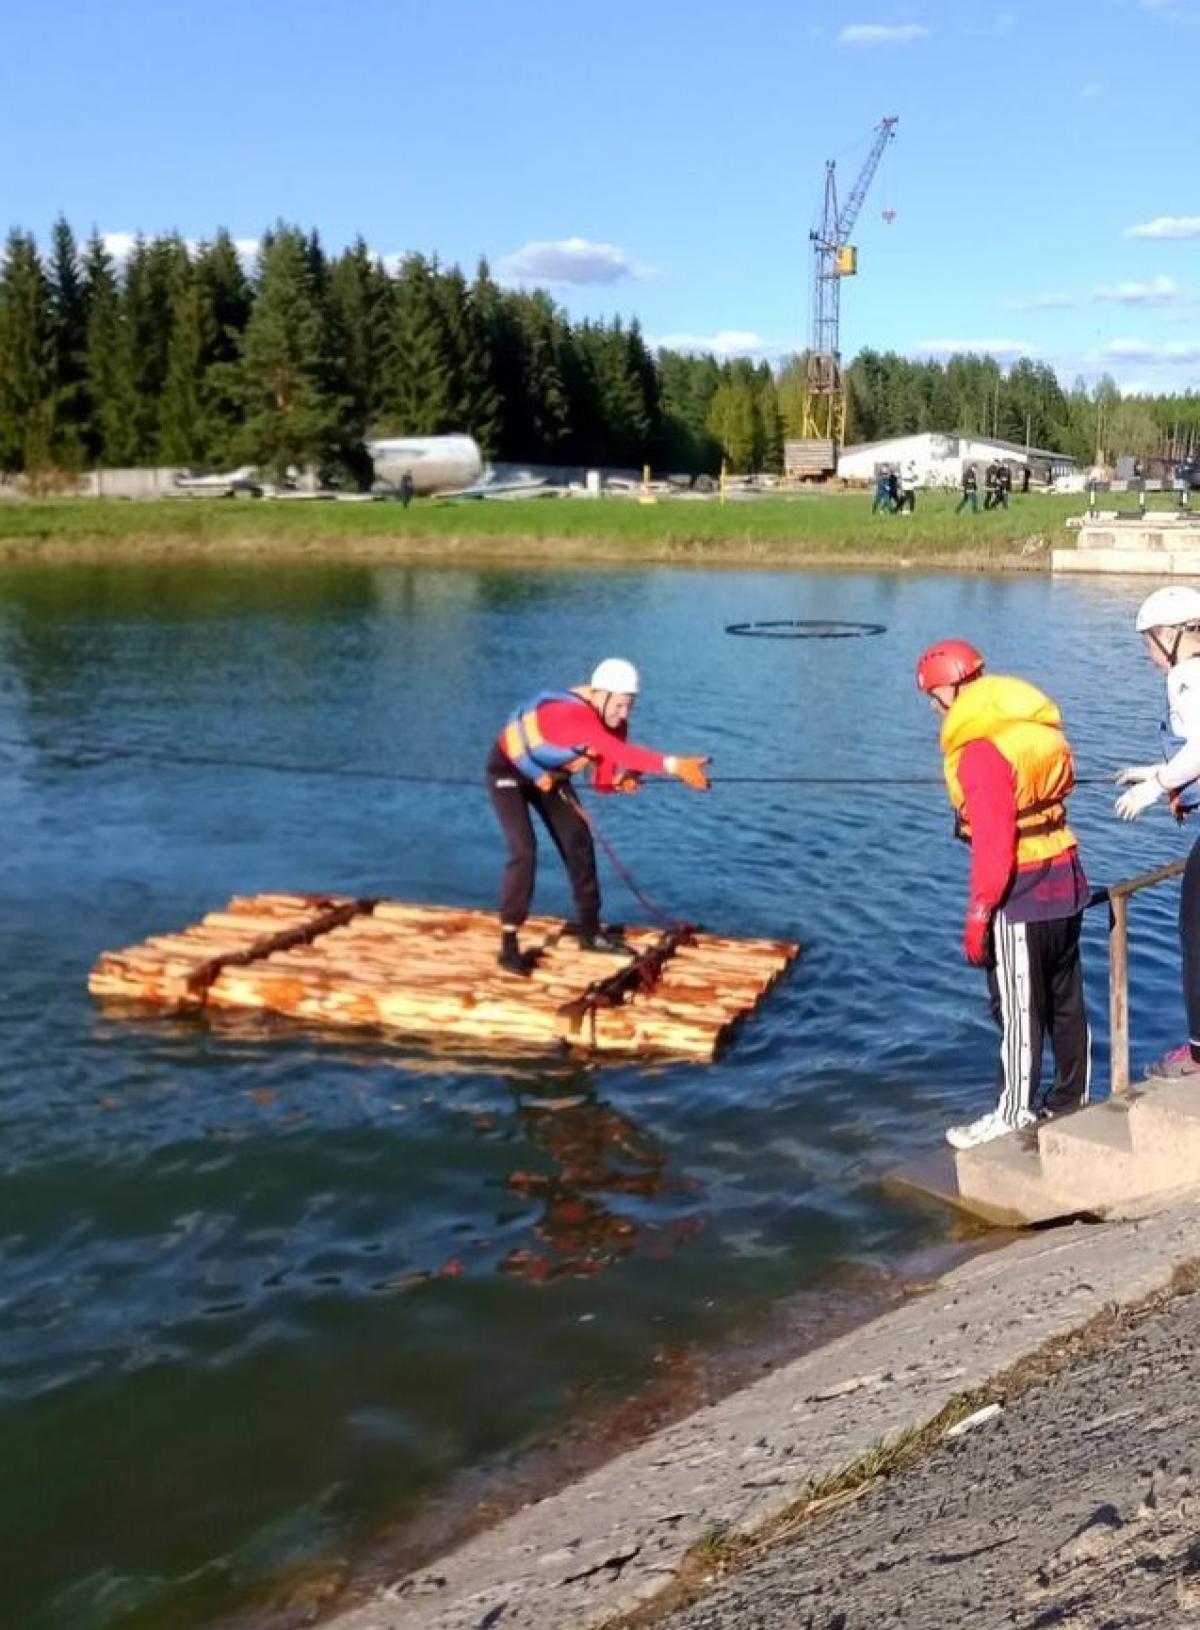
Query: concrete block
1003	1182
1089	1157
1164	1123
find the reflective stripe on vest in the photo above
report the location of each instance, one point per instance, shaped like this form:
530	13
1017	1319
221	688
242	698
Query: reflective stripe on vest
540	761
1025	727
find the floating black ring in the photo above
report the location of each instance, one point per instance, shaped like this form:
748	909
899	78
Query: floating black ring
803	629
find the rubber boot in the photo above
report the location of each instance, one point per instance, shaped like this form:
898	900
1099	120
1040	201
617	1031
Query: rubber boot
512	959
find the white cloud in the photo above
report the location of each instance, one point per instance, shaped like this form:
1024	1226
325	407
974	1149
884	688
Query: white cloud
726	342
570	261
1167	226
1152	351
1039	302
1155	291
120	245
882	33
989	348
1090	90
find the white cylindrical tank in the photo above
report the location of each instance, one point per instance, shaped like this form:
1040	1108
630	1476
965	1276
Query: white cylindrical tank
434	463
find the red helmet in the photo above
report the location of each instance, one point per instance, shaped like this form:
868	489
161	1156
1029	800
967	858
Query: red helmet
948	663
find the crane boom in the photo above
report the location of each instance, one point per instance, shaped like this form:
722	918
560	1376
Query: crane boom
884	132
834	258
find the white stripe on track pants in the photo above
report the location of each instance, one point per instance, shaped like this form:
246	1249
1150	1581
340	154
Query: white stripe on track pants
1035	982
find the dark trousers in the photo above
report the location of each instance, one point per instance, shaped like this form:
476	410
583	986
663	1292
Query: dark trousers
1189	942
969	500
1035	981
514	798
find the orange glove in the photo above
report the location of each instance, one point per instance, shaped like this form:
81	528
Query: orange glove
690	771
627	781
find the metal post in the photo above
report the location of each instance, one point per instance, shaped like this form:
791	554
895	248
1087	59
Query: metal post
1118	994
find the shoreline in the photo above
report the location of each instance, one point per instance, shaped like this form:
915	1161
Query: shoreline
479	1499
642	1532
504	552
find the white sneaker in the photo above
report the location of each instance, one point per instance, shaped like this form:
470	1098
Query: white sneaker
989	1126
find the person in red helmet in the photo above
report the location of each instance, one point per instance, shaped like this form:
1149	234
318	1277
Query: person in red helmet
1008	769
529	768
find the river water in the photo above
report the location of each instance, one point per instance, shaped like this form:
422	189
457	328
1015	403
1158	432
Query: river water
267	1294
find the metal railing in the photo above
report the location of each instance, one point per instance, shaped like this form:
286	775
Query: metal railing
1116	896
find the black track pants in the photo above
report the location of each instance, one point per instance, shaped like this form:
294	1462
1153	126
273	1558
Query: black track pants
514	797
1189	942
1035	981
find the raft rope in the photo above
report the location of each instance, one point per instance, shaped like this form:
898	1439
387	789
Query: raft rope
672	924
100	755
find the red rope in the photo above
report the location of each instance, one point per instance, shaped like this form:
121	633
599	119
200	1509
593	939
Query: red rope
656	912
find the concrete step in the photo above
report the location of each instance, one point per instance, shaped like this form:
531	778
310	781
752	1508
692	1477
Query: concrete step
1003	1182
1164	1121
1088	1156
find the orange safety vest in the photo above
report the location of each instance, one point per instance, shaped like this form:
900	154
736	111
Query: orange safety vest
1026	728
522	742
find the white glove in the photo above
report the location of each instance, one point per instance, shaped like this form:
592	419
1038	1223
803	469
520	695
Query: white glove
1137	772
1144	792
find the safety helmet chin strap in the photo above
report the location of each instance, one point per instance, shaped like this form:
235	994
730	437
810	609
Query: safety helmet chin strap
1172	656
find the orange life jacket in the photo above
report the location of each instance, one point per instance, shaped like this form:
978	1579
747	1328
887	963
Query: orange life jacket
1025	726
522	742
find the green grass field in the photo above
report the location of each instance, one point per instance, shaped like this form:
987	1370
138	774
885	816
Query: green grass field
801	529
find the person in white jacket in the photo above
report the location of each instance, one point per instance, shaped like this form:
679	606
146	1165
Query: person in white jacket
1169	622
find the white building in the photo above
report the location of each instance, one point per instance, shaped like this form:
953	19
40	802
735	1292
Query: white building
940	458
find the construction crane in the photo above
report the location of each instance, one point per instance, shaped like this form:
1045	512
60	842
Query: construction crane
834	257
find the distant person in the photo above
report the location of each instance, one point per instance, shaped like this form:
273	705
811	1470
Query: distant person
893	481
970	491
1008	769
910	481
1025	478
991	482
406	489
529	768
1003	485
883	496
1169	622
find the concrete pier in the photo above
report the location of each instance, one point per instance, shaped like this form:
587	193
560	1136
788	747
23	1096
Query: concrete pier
1158	543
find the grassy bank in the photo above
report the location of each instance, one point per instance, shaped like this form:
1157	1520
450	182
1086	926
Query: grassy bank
805	528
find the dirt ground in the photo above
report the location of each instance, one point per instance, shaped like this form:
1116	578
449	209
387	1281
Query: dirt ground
1076	1507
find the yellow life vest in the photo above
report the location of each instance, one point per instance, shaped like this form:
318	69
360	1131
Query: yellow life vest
1025	726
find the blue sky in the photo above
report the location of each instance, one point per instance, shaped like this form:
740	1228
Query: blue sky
659	160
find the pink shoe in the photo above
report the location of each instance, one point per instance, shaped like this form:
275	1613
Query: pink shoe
1177	1065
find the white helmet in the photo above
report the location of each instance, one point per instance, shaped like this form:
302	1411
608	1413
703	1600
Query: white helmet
1173	607
616	675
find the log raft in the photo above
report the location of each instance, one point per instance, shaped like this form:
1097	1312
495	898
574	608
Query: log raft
430	971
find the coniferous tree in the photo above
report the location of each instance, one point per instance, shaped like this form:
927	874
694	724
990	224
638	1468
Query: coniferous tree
290	419
544	398
226	300
495	318
417	390
358	297
146	297
27	360
111	435
69	319
183	431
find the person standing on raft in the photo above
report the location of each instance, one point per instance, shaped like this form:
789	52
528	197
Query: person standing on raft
1169	622
530	766
1008	769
